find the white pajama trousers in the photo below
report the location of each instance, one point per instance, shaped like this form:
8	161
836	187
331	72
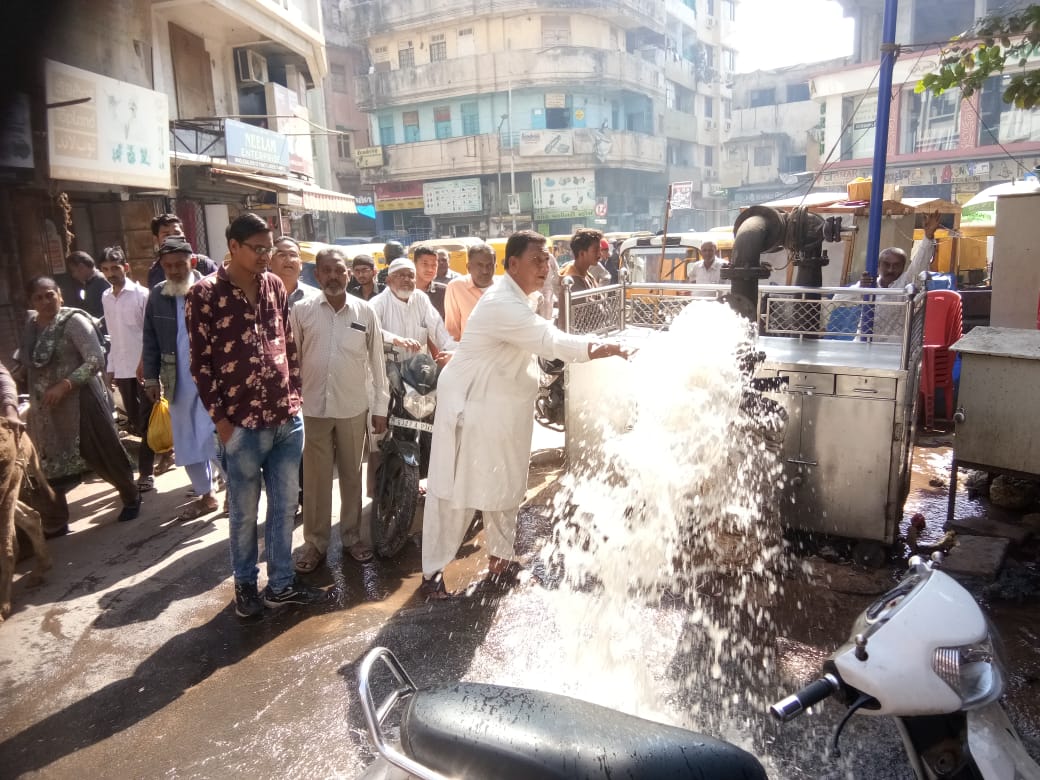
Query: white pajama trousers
445	527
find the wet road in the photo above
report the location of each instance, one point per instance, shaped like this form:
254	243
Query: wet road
130	662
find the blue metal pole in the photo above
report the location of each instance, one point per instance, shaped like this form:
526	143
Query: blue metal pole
877	187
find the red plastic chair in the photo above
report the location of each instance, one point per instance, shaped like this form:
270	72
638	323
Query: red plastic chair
942	328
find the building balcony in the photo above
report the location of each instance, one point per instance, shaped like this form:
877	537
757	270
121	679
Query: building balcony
686	173
265	25
364	20
680	126
483	155
561	67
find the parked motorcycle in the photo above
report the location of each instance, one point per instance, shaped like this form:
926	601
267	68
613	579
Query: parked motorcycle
923	654
405	450
549	405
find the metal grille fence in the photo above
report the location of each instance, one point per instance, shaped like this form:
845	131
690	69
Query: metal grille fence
600	310
875	316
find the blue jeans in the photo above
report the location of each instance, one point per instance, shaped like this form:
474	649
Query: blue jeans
274	454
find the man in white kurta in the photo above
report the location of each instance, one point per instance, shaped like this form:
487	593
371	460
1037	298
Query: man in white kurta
485	412
341	366
408	319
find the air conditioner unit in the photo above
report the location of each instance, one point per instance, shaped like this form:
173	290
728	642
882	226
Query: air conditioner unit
709	124
710	174
709	21
728	126
251	66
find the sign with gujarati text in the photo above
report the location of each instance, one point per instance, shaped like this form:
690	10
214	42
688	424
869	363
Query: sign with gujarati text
542	143
555	100
682	196
563	194
399	196
455	196
110	133
256	147
369	157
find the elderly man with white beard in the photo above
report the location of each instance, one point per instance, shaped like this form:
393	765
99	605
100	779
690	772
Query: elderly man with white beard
165	356
408	318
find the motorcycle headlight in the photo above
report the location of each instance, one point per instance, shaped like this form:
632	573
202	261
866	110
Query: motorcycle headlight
419	406
974	671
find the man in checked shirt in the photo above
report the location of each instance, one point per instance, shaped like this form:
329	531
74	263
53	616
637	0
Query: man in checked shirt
245	364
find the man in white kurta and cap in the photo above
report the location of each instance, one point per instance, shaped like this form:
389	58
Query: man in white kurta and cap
407	317
485	413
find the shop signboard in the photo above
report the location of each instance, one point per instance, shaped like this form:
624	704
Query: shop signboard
105	131
399	196
563	194
543	143
455	196
256	147
292	120
369	157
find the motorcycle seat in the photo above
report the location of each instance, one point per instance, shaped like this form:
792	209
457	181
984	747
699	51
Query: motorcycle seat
475	730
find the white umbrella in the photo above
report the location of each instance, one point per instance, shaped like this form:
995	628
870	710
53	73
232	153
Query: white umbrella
989	195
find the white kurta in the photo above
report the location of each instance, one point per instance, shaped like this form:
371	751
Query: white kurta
485	401
415	319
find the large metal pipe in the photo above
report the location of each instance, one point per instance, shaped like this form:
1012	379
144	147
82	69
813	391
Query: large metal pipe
758	229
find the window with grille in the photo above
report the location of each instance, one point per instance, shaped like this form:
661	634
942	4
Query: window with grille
556	31
709	107
342	143
438	48
410	120
470	119
406	56
442	121
386	131
709	156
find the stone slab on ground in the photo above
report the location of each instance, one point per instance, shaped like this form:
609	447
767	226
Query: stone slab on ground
977	556
987	526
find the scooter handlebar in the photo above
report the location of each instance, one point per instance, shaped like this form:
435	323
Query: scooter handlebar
794	705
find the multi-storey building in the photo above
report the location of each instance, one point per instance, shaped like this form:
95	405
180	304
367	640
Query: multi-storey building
938	146
128	108
774	137
542	113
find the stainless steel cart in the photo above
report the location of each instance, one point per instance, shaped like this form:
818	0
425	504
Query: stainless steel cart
852	361
997	404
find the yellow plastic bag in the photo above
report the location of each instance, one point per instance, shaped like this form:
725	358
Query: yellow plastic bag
160	429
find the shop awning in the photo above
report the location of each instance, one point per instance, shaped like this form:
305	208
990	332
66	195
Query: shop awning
292	192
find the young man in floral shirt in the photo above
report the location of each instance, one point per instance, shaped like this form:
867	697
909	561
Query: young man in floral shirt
245	364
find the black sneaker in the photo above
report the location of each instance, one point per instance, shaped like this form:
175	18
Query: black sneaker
247	601
297	593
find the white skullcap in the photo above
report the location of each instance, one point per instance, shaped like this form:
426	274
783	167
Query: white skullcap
399	263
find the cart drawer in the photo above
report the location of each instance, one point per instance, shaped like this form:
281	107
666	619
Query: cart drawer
801	382
866	386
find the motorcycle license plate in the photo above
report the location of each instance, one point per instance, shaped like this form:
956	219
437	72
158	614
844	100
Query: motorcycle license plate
415	425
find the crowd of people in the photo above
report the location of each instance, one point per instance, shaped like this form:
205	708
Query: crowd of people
275	384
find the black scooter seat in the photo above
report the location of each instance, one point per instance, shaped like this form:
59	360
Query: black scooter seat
471	730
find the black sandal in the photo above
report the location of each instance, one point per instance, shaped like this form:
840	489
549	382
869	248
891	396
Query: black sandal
433	589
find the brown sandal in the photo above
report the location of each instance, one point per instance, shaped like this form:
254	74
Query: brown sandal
196	509
308	560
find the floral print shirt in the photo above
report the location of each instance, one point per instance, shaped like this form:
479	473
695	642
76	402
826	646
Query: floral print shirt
243	358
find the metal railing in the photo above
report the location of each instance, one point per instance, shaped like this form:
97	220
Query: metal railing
868	316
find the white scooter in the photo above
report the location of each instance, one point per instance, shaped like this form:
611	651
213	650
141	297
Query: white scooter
923	654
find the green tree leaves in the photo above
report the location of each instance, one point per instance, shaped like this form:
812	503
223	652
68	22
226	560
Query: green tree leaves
998	45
